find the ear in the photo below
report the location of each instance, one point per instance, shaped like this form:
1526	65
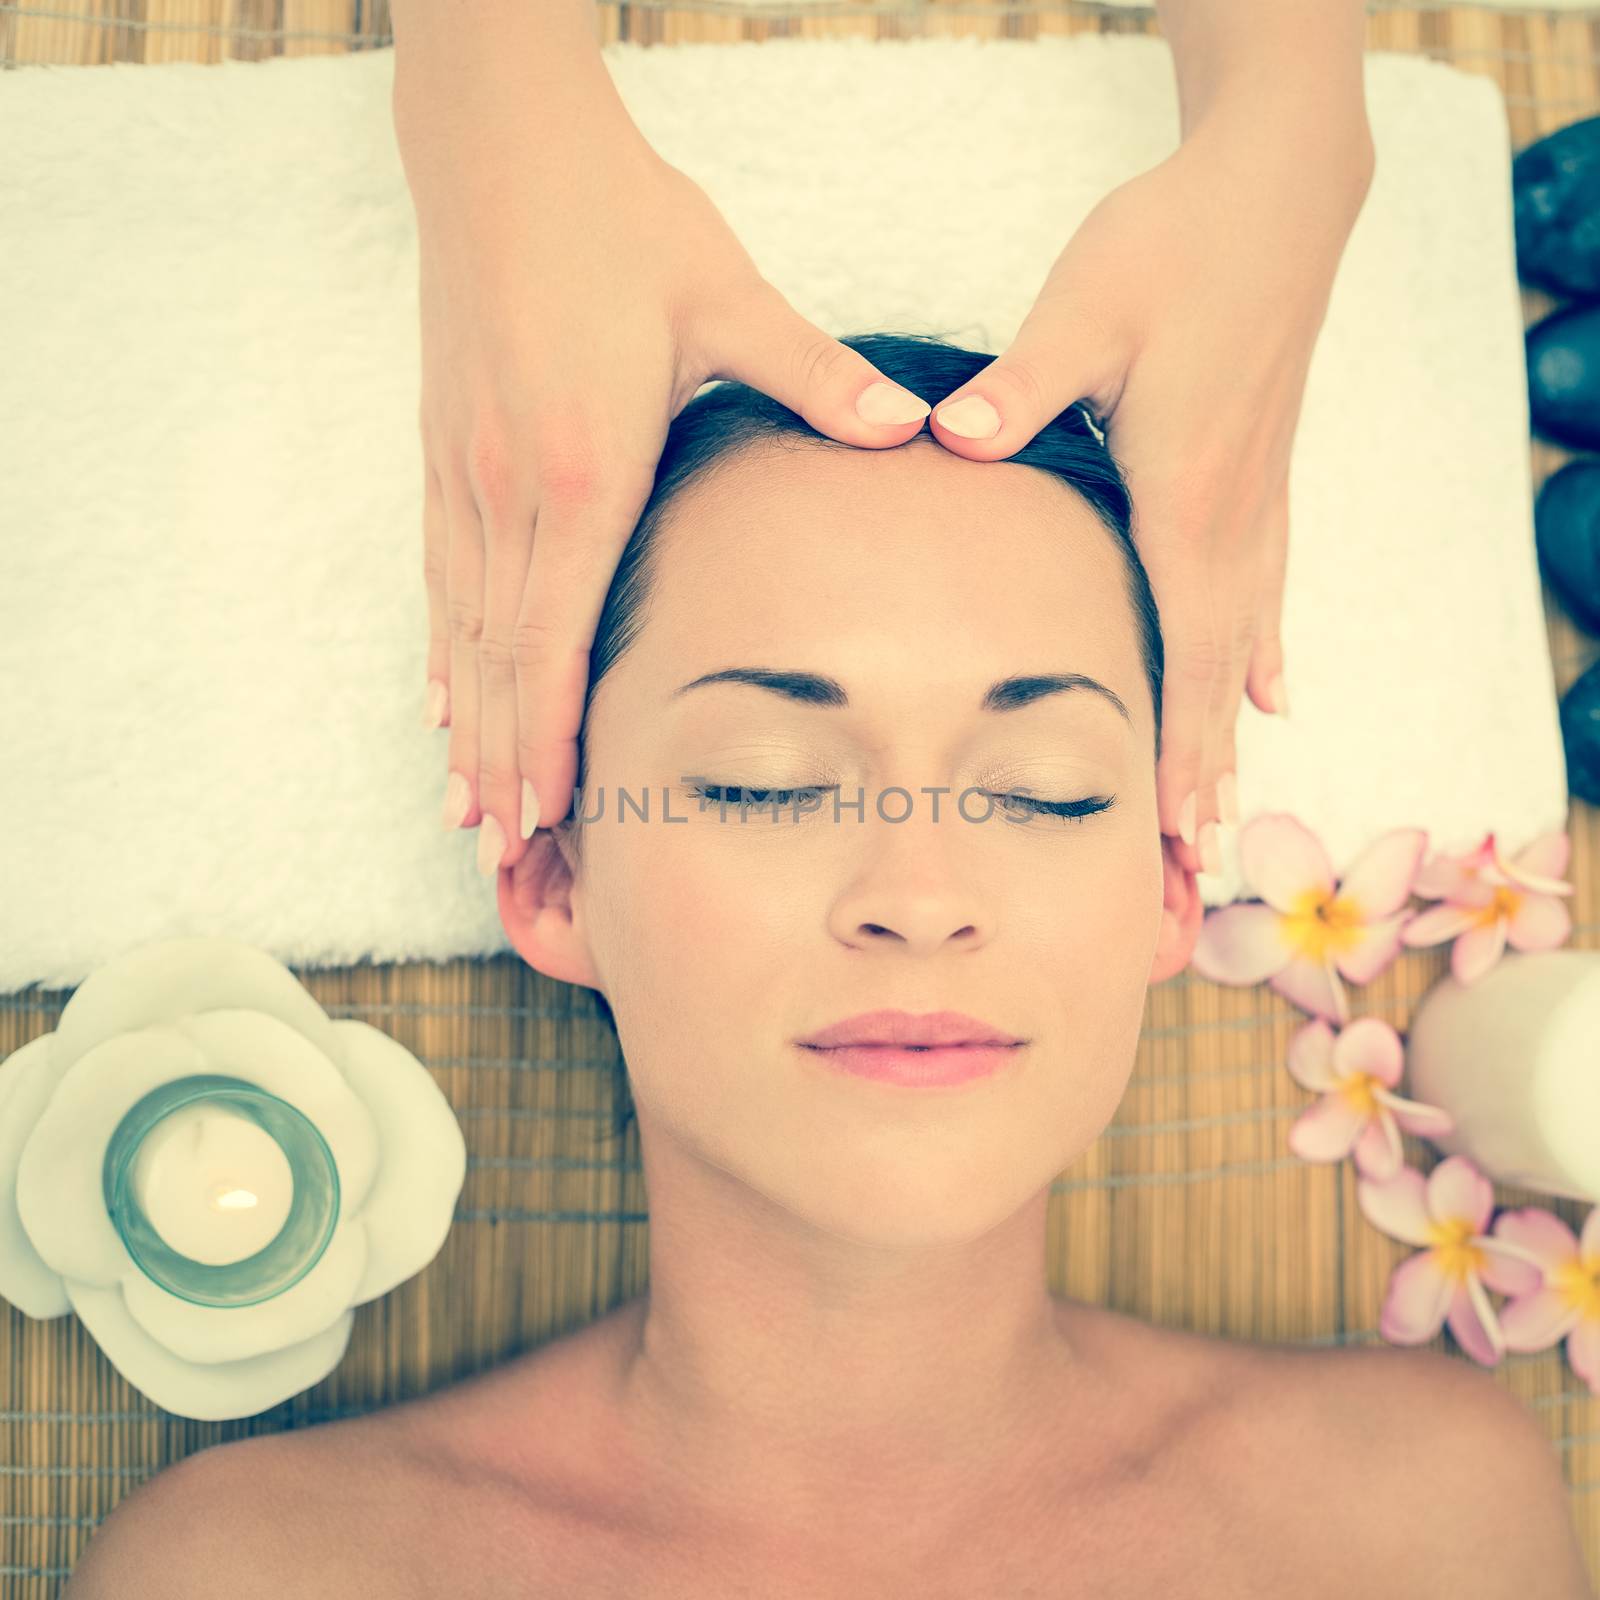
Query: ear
540	912
1182	912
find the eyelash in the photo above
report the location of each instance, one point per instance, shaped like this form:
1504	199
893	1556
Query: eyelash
1069	810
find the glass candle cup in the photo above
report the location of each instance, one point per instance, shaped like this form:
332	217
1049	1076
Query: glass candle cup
215	1161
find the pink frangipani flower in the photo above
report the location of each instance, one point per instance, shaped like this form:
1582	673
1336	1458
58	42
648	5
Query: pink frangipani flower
1488	902
1447	1211
1566	1303
1355	1073
1310	928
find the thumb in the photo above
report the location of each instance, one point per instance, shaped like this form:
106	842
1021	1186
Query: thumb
761	340
1046	369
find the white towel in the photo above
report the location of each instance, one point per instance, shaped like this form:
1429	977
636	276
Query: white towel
212	614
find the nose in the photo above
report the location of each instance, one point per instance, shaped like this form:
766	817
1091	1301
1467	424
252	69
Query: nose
923	927
914	886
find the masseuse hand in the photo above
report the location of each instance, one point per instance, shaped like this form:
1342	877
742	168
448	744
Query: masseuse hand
576	292
1184	310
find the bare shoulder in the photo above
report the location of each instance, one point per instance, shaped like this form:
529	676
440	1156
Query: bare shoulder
454	1493
219	1521
1442	1469
321	1511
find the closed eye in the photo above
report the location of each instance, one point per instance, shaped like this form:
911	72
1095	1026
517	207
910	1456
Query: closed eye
1077	809
733	794
745	795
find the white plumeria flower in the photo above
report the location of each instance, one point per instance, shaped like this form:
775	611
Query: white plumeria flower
189	1007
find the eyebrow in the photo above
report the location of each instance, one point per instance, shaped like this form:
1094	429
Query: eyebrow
816	689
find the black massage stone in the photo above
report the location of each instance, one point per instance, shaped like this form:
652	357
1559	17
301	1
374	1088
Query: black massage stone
1564	376
1555	189
1580	733
1566	530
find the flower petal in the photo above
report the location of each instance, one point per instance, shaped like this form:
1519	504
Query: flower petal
1589	1239
1379	1154
212	1393
60	1189
1542	864
1283	861
1583	1352
1414	1307
1536	1321
1539	923
213	1335
1477	950
26	1082
1541	1233
1369	1045
1310	1059
1240	943
1457	1190
1310	985
1472	1321
1398	1206
1374	947
1326	1129
1379	880
424	1157
157	982
1441	877
1437	924
1425	1121
1506	1272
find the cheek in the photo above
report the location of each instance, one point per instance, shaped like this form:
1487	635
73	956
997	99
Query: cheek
1086	955
699	947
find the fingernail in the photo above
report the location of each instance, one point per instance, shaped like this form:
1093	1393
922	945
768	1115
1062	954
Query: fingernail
1278	695
434	704
1186	818
1210	849
887	402
1228	798
457	801
971	416
491	845
530	810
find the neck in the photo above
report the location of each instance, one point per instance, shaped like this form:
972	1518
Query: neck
779	1376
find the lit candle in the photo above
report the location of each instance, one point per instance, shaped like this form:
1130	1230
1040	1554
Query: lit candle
215	1185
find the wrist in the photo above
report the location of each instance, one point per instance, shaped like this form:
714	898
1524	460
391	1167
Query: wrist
1320	130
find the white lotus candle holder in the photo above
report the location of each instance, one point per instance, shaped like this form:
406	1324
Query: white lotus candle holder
213	1173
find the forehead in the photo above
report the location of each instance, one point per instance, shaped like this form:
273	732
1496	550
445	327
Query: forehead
789	540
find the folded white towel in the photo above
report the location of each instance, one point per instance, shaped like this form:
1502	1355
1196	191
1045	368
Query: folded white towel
212	615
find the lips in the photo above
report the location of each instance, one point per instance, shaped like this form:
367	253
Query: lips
906	1029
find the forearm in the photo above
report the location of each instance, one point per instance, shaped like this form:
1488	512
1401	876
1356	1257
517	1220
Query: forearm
1303	58
544	55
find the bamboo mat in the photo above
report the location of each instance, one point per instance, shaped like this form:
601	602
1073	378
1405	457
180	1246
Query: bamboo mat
1188	1211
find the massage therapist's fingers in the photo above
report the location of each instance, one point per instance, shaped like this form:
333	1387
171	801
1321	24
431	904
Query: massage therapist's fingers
1265	677
582	527
1187	306
576	292
464	574
745	331
759	339
507	499
435	548
1254	595
1191	691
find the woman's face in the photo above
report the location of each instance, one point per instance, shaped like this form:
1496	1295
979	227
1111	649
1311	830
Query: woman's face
916	580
